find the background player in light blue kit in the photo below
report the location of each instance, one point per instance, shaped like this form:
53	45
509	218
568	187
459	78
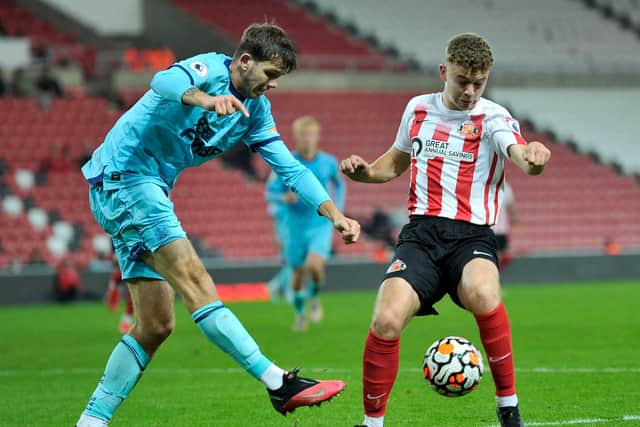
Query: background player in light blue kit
196	110
309	236
280	284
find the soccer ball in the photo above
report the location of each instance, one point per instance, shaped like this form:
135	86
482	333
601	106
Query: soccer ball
452	366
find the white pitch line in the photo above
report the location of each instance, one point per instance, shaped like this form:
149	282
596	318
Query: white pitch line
574	421
187	371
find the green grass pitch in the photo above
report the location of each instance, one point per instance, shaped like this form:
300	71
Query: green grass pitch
577	350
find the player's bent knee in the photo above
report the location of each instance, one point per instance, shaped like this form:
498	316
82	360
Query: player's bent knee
388	324
479	297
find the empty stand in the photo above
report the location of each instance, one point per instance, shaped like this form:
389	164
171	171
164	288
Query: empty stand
320	45
602	121
20	22
546	36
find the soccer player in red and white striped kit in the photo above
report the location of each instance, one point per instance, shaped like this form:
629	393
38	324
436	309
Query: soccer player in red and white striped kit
454	142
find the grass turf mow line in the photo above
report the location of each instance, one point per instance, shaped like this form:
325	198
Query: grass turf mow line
588	421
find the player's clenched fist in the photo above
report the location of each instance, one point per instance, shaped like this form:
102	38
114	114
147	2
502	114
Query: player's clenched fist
348	228
355	167
222	105
537	155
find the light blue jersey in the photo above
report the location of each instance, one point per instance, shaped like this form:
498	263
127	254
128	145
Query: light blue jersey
153	142
307	231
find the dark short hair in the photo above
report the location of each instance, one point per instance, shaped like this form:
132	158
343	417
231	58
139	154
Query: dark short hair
268	42
470	51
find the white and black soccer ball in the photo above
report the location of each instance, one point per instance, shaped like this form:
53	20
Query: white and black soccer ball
453	366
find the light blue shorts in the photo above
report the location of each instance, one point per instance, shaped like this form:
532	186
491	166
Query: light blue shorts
139	218
302	242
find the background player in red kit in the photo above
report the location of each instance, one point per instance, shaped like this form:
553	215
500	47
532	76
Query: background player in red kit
455	143
113	298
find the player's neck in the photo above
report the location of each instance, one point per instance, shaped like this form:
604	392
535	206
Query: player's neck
234	75
308	156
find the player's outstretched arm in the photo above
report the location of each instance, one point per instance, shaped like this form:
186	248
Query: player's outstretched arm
531	158
390	165
222	105
176	83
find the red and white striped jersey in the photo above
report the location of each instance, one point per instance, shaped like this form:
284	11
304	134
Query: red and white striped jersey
457	157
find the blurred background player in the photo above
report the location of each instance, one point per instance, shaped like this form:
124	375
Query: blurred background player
196	110
280	284
502	228
113	298
309	240
455	142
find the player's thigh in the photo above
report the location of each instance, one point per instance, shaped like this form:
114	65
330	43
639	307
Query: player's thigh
397	302
296	249
413	263
319	246
479	287
179	263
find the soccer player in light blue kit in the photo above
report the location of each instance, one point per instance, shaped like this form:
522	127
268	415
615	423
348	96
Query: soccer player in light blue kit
196	110
309	235
280	284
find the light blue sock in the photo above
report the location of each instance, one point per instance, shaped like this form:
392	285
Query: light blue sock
124	369
224	329
300	301
287	275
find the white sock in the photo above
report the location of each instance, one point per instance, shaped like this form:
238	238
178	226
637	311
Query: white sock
504	401
373	421
272	377
89	421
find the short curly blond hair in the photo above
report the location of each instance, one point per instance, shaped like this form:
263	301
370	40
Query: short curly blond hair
469	51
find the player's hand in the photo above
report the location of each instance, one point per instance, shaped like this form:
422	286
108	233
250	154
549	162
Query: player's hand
222	105
355	167
537	155
348	228
290	198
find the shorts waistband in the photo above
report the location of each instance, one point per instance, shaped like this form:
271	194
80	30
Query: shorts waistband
425	219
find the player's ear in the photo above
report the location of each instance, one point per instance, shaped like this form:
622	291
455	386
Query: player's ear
443	72
245	61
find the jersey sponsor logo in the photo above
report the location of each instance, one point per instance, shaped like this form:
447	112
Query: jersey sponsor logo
431	148
513	124
200	68
468	130
397	265
199	135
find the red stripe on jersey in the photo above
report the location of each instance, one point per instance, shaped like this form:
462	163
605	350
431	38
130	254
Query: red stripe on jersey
434	173
467	169
495	199
420	114
520	139
487	187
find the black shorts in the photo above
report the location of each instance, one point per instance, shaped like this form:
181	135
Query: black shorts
431	253
503	242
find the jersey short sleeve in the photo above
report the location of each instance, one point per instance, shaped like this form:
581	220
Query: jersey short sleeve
263	128
402	141
504	131
201	69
